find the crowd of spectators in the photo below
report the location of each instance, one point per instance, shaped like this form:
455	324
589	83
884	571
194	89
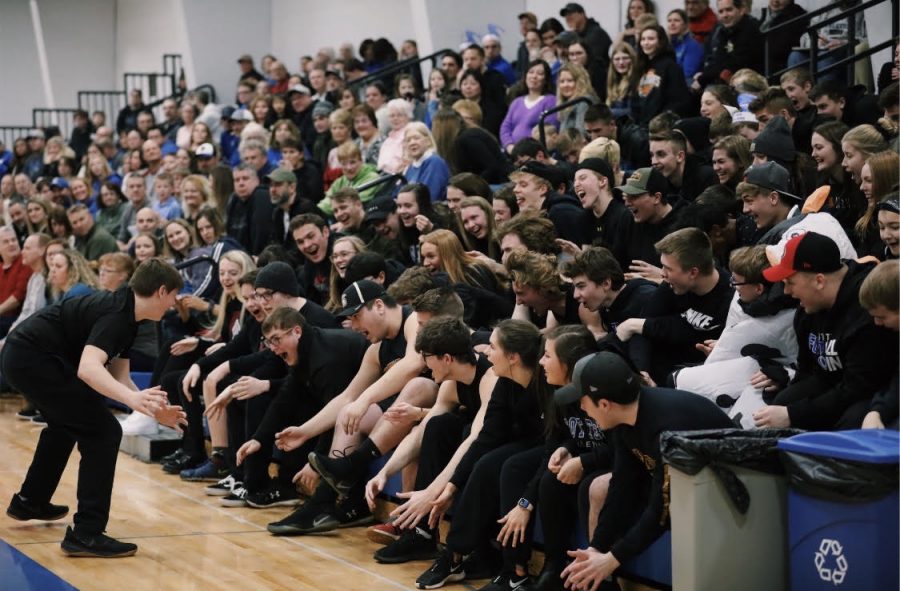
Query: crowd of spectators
385	269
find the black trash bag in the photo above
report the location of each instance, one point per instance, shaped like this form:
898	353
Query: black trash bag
691	451
834	479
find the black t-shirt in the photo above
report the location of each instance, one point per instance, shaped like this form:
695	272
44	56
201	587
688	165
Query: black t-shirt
468	395
639	485
675	323
102	319
513	414
390	350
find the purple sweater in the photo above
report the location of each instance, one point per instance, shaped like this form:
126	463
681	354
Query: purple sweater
520	120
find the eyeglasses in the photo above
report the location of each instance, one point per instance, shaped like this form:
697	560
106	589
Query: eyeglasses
275	340
264	295
734	283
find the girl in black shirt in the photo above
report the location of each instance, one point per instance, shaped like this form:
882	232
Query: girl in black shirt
513	423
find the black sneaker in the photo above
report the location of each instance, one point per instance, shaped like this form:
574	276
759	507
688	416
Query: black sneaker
184	462
411	545
172	456
508	582
236	498
276	495
443	571
95	546
308	519
223	487
22	510
336	472
39	419
548	580
353	513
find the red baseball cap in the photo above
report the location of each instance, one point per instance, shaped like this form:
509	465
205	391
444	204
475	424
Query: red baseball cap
807	253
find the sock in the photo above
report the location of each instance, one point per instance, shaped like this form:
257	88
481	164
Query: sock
219	457
363	455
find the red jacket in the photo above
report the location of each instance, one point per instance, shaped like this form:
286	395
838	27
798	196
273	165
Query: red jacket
14	282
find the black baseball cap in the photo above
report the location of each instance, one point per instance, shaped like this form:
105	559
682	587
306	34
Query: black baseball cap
808	253
601	375
378	209
552	174
771	176
358	295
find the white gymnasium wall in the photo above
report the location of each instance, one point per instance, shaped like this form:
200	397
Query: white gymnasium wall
302	27
79	46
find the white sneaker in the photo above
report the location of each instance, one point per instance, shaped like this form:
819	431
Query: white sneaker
139	424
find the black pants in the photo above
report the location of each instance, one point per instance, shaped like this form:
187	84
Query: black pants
479	504
192	440
242	424
243	417
75	414
442	436
515	475
560	506
851	418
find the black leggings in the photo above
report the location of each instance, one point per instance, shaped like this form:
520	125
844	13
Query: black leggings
561	506
75	414
481	503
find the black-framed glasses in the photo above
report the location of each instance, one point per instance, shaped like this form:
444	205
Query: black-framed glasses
275	339
264	295
734	283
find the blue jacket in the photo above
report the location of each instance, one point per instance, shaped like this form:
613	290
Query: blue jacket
504	67
433	173
688	54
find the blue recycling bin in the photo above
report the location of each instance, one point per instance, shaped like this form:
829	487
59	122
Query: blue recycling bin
843	510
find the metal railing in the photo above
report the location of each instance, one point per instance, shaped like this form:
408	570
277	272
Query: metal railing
397	67
397	179
156	87
557	109
109	102
813	31
61	118
153	85
10	133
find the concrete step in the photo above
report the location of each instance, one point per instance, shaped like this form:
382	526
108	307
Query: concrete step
151	448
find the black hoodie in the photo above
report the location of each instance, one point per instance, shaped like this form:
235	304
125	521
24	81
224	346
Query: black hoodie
845	355
697	177
637	241
661	88
572	222
731	49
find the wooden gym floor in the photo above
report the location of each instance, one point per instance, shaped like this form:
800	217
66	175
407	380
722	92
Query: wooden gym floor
186	540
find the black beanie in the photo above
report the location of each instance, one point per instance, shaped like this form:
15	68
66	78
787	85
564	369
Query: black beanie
280	277
696	130
775	141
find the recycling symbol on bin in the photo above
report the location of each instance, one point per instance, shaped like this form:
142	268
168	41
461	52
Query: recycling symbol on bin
837	573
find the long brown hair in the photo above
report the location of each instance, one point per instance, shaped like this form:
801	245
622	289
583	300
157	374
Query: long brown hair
454	259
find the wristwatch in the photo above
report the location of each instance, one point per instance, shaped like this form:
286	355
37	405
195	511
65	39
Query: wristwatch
525	504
